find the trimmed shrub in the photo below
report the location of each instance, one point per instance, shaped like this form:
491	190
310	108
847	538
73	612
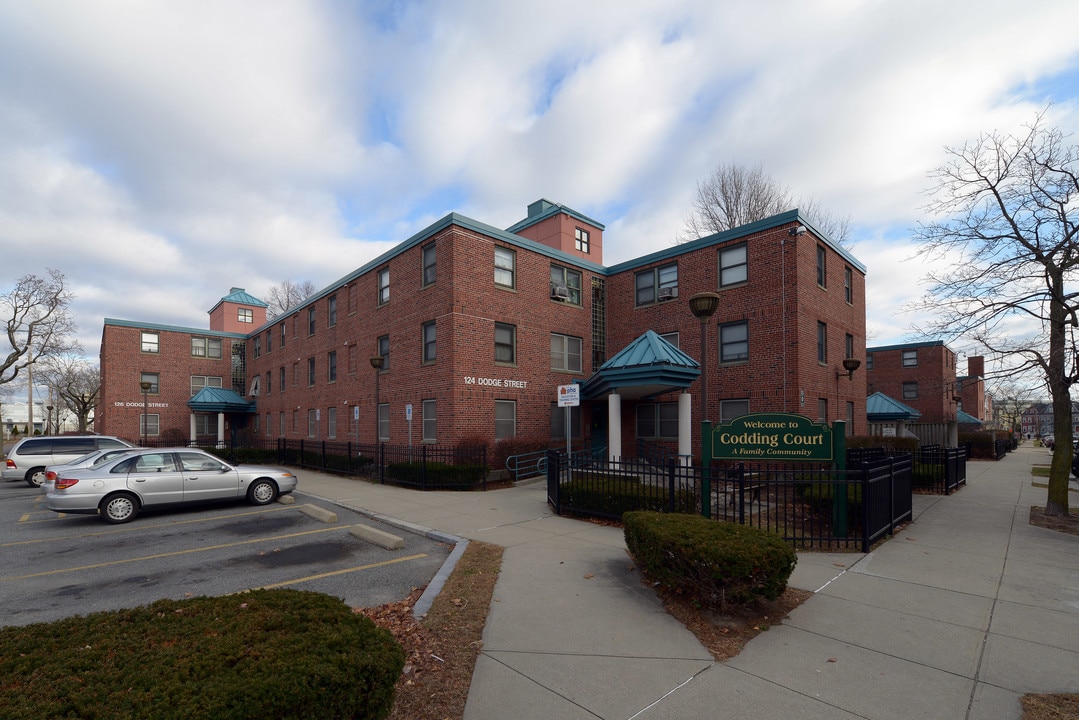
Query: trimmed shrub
614	495
438	474
263	654
718	563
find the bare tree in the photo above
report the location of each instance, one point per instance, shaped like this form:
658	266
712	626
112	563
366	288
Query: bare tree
75	382
37	322
1010	399
1006	242
286	295
736	195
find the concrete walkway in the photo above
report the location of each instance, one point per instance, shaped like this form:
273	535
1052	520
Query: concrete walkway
956	617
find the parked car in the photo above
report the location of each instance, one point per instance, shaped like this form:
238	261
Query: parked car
30	456
89	460
161	477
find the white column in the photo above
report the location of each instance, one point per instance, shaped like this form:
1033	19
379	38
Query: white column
194	436
221	430
614	426
685	428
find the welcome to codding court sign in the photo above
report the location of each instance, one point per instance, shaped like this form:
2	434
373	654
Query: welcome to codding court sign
772	436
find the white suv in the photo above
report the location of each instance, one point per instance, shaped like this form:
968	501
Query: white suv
30	456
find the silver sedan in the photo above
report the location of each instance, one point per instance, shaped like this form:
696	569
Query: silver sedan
154	477
89	460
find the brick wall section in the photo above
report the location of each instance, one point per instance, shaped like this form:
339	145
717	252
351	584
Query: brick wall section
934	373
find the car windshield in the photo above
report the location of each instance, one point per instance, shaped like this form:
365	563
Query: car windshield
84	458
106	456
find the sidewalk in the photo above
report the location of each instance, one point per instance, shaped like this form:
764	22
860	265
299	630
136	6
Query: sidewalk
956	617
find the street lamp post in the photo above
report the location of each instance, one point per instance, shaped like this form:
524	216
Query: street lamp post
48	419
703	306
145	408
377	362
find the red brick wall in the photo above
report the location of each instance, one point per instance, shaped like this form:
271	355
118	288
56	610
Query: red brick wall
934	373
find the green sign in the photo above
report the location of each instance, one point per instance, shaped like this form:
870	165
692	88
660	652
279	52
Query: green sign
772	436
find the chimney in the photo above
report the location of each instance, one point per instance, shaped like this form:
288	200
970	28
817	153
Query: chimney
976	366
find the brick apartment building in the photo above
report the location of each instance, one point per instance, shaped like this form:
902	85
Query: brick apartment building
920	375
974	400
475	328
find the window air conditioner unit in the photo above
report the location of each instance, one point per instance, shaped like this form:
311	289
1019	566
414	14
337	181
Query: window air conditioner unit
559	292
668	293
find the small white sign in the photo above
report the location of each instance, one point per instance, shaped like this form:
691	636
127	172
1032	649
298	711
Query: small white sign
569	395
408	412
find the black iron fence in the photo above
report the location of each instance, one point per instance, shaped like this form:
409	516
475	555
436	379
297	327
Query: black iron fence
934	468
810	505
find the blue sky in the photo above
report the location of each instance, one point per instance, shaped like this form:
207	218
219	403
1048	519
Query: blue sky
160	153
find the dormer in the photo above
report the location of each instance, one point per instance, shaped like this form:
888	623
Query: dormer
238	312
562	228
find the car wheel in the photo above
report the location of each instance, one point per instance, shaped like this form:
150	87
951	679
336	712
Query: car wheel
119	508
35	477
262	492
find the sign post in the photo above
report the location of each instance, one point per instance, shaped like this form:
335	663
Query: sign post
569	397
408	416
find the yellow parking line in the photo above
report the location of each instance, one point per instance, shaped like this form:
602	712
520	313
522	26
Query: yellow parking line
172	554
140	526
342	572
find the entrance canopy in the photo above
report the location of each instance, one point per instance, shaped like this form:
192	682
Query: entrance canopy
219	400
647	367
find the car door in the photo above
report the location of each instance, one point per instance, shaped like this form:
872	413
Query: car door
156	478
206	477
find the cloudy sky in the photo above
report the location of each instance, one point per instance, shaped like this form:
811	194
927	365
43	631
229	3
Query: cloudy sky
159	153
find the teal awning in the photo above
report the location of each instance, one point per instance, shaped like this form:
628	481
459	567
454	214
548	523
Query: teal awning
881	408
647	367
966	418
219	400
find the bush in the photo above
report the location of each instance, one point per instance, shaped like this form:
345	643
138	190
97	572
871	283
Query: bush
718	563
263	654
438	474
613	495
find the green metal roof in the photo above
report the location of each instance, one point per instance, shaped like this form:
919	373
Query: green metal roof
966	418
173	328
905	346
217	400
881	408
646	367
543	209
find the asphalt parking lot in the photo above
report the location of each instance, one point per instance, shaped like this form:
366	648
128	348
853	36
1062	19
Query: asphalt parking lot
54	566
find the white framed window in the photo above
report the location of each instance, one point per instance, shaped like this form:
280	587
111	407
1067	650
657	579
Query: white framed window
206	347
671	337
383	286
822	268
566	284
848	285
331	366
151	378
656	284
822	410
657	420
312	423
734	342
245	315
581	240
331	422
731	409
505	343
198	382
505	419
430	420
312	313
384	352
505	267
150	342
910	391
331	311
429	264
565	352
430	348
384	422
150	425
910	358
822	342
733	266
558	421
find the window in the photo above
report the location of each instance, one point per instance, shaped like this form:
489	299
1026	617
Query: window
269	340
312	423
671	337
281	423
256	346
205	424
384	352
429	265
910	358
295	373
848	346
283	334
822	274
505	419
657	284
558	421
734	342
566	284
384	422
151	378
331	311
352	298
505	267
269	382
730	409
505	343
822	410
565	353
657	420
198	382
850	419
331	422
206	347
150	425
868	361
430	417
310	371
311	313
383	286
256	424
150	342
429	347
244	315
580	237
281	379
256	383
910	391
331	366
733	266
848	285
822	342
